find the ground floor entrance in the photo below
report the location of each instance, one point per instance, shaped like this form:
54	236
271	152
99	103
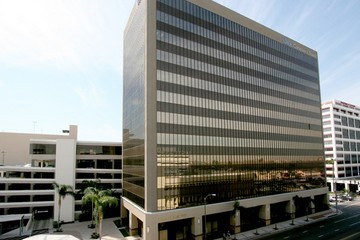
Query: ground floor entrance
213	221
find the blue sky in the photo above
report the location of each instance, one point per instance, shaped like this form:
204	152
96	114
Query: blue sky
61	61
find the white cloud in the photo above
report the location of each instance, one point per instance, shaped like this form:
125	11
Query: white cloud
344	66
90	95
34	31
62	33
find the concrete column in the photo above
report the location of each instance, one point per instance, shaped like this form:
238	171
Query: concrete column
332	184
151	231
290	208
133	224
347	185
65	174
235	221
264	214
123	211
196	228
312	205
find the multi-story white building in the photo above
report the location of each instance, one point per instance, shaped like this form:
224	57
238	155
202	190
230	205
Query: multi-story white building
341	124
54	158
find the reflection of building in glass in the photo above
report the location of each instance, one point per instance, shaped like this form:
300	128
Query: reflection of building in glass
215	103
341	122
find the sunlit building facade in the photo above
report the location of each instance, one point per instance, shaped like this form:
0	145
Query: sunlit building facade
215	103
28	188
341	123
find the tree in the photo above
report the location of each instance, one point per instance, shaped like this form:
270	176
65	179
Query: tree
96	185
63	191
86	183
236	206
90	193
101	199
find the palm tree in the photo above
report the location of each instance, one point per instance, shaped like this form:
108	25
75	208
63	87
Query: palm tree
63	190
106	200
96	185
90	194
101	199
89	183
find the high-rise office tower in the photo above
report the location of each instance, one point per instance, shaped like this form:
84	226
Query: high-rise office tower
218	110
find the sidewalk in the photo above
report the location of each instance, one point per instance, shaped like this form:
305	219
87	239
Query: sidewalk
81	230
283	226
110	231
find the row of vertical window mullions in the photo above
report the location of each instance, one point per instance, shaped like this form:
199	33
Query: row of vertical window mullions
234	76
232	47
238	48
133	90
257	151
351	134
223	83
282	121
233	67
218	23
230	58
223	132
226	81
196	75
227	45
350	122
198	37
232	104
256	104
209	149
272	75
351	146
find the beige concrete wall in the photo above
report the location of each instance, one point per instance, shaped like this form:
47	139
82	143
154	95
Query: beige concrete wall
65	175
16	146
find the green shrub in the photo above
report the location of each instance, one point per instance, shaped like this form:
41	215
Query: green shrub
95	235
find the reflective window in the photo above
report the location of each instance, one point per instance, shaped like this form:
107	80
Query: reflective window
98	150
344	121
237	112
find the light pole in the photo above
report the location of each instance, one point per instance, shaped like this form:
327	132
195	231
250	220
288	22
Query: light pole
209	195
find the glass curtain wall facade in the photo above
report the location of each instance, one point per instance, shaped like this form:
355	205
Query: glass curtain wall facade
238	113
134	109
